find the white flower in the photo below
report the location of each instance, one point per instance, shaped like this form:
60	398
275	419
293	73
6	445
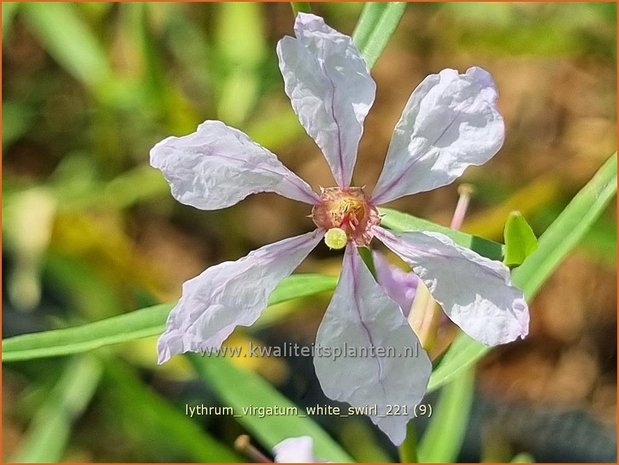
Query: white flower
449	123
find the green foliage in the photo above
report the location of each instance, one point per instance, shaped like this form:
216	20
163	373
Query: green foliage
300	7
70	41
520	240
243	389
445	433
50	429
401	222
377	23
8	13
554	245
165	427
241	47
134	325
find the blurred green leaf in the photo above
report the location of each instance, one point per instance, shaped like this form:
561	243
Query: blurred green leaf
376	24
359	437
162	423
445	433
48	433
554	245
68	39
300	7
401	222
9	9
17	120
520	240
241	49
131	186
601	240
134	325
240	389
86	288
276	129
407	451
156	87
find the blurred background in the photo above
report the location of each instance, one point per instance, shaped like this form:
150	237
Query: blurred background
91	231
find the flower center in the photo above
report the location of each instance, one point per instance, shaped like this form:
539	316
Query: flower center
347	215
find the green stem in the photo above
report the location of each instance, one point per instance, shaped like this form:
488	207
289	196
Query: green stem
366	256
300	7
408	449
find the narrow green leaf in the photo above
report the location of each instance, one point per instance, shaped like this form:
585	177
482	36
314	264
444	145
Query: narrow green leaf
520	240
243	389
68	39
375	27
370	15
568	229
161	421
554	245
463	353
134	325
445	433
401	222
300	7
49	431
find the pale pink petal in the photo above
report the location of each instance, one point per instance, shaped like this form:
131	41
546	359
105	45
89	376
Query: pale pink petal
475	292
330	88
450	122
295	450
361	316
230	294
399	284
217	166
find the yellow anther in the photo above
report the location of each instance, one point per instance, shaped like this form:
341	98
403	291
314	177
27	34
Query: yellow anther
336	238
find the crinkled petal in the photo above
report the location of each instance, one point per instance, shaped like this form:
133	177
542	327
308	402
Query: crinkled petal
399	284
475	292
230	294
361	317
295	450
218	166
450	122
330	88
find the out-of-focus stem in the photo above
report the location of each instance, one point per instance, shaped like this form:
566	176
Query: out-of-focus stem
408	450
243	444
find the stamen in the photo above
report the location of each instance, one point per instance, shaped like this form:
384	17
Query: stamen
465	191
347	210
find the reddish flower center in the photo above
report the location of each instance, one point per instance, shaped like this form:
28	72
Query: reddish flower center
349	209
